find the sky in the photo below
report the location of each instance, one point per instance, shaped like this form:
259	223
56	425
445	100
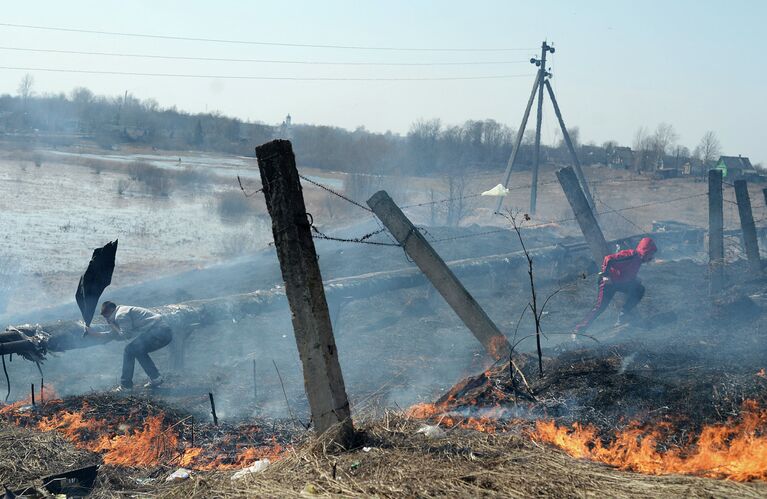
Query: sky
618	64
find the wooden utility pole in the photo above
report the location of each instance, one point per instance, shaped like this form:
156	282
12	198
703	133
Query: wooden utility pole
540	82
571	148
537	154
583	214
518	142
323	380
440	275
715	232
748	227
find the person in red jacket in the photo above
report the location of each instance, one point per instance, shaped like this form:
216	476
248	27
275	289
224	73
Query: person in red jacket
619	275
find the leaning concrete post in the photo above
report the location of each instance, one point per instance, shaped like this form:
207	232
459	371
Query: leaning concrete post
715	232
571	148
323	380
517	142
748	227
440	275
583	214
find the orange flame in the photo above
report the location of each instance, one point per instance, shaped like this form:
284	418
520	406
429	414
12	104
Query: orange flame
424	410
152	444
49	395
734	450
487	423
498	347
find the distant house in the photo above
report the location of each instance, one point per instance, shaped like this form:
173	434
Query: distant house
735	167
592	155
621	157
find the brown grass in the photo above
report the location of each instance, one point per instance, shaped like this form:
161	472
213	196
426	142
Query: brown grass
402	463
399	463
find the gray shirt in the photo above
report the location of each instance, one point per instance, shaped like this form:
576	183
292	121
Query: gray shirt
133	321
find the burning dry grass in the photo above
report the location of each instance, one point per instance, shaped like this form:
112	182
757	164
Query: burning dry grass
131	432
736	450
391	460
402	463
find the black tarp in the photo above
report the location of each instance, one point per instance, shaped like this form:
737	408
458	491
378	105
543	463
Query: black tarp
96	278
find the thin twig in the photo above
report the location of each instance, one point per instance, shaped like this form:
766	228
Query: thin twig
290	411
7	379
547	301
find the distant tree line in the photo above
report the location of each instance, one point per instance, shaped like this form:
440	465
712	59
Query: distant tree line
428	148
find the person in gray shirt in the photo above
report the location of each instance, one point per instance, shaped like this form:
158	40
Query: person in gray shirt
146	332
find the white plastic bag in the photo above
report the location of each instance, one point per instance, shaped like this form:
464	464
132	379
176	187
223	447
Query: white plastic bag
179	474
431	431
497	191
256	467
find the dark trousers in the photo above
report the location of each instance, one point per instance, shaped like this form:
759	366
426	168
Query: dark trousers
634	292
139	348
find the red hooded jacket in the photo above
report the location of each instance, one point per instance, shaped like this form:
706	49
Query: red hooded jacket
623	266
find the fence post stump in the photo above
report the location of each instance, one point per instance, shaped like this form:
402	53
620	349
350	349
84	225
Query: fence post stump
715	232
748	227
291	227
583	214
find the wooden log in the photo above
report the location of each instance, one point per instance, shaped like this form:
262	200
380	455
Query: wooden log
560	262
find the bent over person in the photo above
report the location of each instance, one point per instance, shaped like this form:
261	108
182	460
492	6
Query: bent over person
147	332
619	275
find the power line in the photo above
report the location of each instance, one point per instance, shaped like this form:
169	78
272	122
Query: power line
273	44
267	61
275	78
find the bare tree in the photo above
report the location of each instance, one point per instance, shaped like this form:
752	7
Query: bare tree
25	88
575	138
663	139
457	205
642	146
708	149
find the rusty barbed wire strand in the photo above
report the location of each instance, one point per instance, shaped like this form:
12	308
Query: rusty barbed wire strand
360	240
242	188
328	189
526	186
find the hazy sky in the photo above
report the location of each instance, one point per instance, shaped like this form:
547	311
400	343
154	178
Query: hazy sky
618	64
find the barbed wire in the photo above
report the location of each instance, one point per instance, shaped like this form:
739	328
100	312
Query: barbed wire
328	189
570	219
446	200
526	186
242	188
360	240
472	195
621	215
364	239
